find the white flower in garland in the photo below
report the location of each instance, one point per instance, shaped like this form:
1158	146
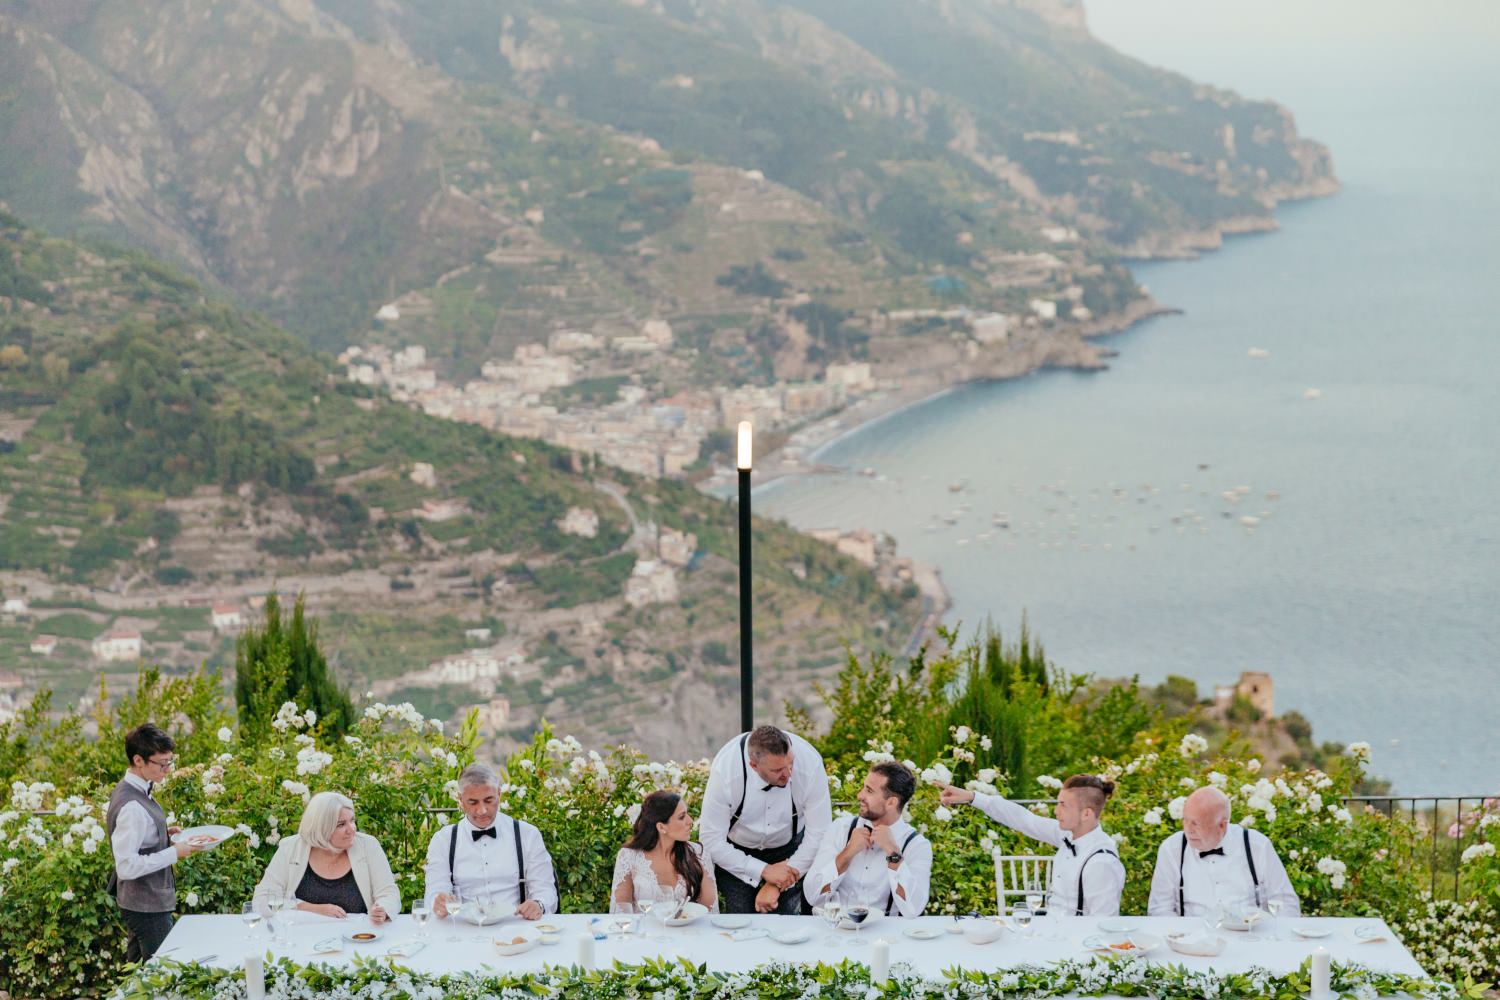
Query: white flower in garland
1192	745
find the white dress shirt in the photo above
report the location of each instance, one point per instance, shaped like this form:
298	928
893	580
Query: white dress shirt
1103	874
133	827
1219	880
766	820
869	879
488	865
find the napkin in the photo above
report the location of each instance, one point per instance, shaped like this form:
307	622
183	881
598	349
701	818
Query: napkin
328	946
406	949
747	934
1370	934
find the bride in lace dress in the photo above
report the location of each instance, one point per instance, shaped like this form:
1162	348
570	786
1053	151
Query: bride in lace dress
660	861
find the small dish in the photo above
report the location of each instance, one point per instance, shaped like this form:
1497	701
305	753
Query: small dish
1196	943
1310	931
799	935
954	928
547	928
550	938
366	936
524	939
1117	925
924	933
982	931
730	921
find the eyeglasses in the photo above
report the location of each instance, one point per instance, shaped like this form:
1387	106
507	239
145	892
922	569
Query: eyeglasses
165	765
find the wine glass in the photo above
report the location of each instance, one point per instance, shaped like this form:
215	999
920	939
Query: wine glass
457	907
1273	929
421	913
833	912
622	919
858	913
251	917
275	902
1020	912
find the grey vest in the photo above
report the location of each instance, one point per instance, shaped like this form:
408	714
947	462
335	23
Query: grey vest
154	893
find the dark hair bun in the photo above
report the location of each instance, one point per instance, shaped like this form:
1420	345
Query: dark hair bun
1107	787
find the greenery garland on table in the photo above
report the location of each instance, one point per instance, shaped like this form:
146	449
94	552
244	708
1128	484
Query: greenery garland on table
371	979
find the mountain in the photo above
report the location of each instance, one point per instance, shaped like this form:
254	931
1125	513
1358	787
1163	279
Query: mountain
522	166
166	454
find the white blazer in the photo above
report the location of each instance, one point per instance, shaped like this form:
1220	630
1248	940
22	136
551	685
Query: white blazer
372	872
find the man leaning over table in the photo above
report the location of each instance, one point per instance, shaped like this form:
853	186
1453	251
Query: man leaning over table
489	854
875	858
140	839
1087	875
765	811
1213	863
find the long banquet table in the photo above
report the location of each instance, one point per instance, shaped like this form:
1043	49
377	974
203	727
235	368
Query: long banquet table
222	941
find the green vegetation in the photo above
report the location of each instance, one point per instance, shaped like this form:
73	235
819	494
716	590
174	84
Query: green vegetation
279	662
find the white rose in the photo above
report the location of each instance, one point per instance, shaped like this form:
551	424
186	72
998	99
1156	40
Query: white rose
985	743
1359	750
1478	851
1192	745
961	735
1047	781
988	775
191	899
66	895
1252	765
1152	817
1174	808
941	814
225	735
1217	780
633	812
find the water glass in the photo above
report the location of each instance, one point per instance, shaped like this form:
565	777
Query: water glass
457	907
1020	912
833	912
1273	907
421	913
251	917
275	902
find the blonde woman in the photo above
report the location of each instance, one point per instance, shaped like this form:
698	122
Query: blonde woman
331	868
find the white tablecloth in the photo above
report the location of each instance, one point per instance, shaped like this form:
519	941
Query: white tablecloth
222	941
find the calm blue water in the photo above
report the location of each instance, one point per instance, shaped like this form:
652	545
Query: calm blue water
1371	586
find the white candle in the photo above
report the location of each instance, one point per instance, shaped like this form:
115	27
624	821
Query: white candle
880	962
586	950
255	978
1321	972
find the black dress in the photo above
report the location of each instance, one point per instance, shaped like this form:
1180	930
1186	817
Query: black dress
342	892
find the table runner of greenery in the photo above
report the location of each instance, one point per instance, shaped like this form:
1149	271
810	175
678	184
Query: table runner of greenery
369	979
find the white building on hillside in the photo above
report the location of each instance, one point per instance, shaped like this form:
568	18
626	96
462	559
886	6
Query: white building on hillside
226	617
121	644
651	582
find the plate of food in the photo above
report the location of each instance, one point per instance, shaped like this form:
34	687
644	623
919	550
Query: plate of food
514	943
730	921
671	916
206	837
547	928
1122	944
362	935
922	933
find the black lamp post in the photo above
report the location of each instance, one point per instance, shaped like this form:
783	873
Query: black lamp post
747	694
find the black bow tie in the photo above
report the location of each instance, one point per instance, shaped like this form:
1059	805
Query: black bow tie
150	785
1070	846
769	787
486	833
1217	850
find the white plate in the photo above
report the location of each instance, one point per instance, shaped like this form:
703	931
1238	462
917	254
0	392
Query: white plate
730	921
217	835
1185	943
1117	925
923	933
874	918
363	935
1143	943
547	928
1310	931
690	912
514	943
1369	932
800	935
1243	920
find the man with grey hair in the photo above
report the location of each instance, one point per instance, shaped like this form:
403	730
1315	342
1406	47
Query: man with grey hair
1214	864
762	819
487	857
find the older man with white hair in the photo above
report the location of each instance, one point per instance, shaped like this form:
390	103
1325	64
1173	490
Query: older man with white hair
488	855
1213	864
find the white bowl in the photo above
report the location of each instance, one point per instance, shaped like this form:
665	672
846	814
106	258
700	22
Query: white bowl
982	931
522	939
690	912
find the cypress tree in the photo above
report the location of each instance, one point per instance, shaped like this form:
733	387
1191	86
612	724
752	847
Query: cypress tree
281	661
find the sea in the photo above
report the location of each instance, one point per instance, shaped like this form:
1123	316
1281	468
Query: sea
1298	474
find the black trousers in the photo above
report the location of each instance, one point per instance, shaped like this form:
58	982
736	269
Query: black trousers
738	897
147	932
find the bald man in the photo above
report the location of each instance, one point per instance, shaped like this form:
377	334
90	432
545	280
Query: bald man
1214	863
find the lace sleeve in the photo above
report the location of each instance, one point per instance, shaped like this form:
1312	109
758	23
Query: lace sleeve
622	886
708	892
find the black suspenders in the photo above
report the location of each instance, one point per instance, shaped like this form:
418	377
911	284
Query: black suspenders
891	898
520	858
1103	850
1182	856
745	788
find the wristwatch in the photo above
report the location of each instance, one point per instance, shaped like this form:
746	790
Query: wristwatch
894	858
